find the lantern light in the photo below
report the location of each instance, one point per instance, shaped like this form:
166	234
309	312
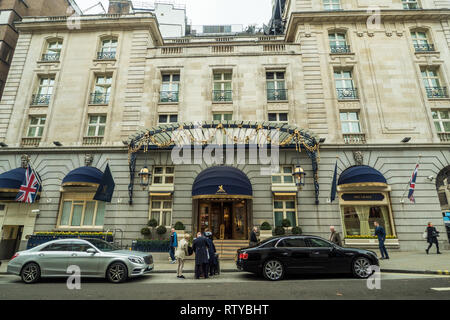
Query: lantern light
299	176
145	176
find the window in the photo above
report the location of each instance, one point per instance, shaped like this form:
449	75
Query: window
44	92
331	4
108	49
276	86
284	208
350	122
81	213
421	42
65	246
358	220
167	118
292	243
170	88
96	126
81	247
102	89
163	175
222	117
283	176
441	121
5	52
53	51
318	243
222	87
432	83
344	85
410	4
36	127
161	210
338	43
278	117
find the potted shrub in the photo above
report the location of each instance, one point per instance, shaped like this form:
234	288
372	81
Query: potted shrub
152	223
179	229
286	223
279	231
146	232
297	230
161	231
265	231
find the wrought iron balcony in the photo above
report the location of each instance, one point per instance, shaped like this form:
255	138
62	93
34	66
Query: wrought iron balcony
340	49
169	96
424	47
223	95
92	141
31	142
347	93
354	138
41	99
437	92
444	136
51	57
276	94
106	55
99	98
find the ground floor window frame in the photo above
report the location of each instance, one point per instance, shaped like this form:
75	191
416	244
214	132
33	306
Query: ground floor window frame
81	198
284	210
159	213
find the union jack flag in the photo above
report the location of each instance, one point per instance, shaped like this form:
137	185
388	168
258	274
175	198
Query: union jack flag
412	185
29	188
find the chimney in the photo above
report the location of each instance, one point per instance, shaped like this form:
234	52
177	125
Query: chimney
120	7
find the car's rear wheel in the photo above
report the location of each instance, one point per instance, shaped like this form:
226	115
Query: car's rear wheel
273	270
362	267
30	273
117	272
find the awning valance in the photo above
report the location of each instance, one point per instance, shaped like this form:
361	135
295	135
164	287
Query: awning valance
361	176
222	182
83	176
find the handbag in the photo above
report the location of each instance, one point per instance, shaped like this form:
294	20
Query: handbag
190	251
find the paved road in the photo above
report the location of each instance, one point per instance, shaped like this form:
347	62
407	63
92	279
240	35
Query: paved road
233	286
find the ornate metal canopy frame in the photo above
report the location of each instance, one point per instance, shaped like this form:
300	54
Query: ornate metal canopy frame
165	137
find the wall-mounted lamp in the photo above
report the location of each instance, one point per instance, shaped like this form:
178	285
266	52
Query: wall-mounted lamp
144	177
125	142
3	145
322	140
57	143
299	177
406	139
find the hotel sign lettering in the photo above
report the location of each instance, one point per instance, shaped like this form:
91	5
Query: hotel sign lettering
363	197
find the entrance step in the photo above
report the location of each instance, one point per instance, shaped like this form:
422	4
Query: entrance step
227	248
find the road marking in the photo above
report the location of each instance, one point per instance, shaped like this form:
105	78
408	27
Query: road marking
441	289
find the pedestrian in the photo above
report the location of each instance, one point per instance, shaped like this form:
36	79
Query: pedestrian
432	237
200	247
212	265
381	234
181	253
173	245
253	237
335	237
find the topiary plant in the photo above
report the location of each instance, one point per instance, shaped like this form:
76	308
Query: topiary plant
161	230
297	230
266	226
179	226
146	231
286	223
279	231
152	223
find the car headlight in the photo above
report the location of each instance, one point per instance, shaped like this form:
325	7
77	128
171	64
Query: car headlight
136	260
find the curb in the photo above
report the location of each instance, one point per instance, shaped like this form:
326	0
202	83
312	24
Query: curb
438	272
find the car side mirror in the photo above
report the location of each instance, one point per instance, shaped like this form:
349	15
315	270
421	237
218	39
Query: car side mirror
91	251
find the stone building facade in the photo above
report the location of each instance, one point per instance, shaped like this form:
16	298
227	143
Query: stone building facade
353	89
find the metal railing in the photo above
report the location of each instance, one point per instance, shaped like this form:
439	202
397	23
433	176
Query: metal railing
444	136
40	99
222	95
436	92
354	138
92	141
347	93
340	49
51	57
30	142
425	47
99	98
168	96
106	55
277	94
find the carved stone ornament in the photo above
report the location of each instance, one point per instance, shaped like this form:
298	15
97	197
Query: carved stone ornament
88	159
24	160
359	158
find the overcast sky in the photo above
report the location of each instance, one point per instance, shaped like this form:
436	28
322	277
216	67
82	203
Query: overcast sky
204	12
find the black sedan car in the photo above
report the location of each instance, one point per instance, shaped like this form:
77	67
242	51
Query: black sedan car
278	256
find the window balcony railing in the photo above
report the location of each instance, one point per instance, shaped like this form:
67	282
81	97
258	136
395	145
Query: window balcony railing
425	47
106	55
99	98
347	93
354	138
277	94
169	96
41	99
340	49
222	95
31	142
444	136
92	141
51	57
437	92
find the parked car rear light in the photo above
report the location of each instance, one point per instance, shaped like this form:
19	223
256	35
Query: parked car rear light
243	256
14	256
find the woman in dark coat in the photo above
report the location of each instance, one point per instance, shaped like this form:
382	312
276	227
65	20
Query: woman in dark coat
432	235
212	254
200	247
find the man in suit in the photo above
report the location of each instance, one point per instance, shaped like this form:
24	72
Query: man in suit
335	237
381	234
254	237
200	247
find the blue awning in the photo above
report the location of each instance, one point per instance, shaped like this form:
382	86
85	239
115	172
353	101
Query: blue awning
361	175
84	176
222	182
10	181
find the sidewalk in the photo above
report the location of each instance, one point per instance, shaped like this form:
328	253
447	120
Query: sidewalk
399	262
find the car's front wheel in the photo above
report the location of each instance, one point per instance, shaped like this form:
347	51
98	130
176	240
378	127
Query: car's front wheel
273	270
117	272
362	267
30	273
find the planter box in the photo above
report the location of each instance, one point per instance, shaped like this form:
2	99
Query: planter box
371	243
151	246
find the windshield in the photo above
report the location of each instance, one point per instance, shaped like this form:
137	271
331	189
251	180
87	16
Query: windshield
103	245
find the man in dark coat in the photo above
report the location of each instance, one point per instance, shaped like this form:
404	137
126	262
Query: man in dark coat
200	247
432	235
212	265
335	237
254	237
381	234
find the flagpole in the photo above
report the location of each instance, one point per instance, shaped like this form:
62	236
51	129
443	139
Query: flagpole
409	183
36	174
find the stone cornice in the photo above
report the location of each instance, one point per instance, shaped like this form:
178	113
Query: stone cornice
361	16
